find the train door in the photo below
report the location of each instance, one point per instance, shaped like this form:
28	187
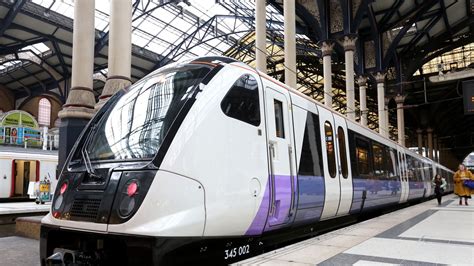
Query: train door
24	174
404	186
343	155
331	172
282	159
426	179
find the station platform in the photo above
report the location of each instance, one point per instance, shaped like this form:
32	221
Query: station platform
423	234
12	208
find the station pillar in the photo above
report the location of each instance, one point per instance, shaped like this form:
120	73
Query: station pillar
120	49
79	107
380	79
290	42
326	49
362	82
261	35
430	142
419	133
349	47
435	149
400	99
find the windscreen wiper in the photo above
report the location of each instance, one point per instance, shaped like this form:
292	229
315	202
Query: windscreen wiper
85	156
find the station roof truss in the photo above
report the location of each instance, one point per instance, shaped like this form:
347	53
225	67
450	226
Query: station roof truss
398	38
162	32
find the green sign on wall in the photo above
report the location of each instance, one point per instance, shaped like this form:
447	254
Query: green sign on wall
19	126
19	118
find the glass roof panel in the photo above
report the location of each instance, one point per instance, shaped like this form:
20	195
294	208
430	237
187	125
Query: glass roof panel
38	48
161	27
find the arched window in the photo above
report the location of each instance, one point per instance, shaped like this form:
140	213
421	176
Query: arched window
44	112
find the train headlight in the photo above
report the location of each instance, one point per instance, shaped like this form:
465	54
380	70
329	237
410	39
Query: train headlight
58	202
128	202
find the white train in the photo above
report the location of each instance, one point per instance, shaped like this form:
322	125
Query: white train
212	160
21	168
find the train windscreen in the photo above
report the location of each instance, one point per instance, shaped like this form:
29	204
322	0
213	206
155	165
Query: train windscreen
137	122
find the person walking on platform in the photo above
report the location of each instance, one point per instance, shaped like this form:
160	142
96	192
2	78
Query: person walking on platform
459	188
440	185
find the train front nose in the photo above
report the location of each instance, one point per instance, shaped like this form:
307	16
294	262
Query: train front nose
124	219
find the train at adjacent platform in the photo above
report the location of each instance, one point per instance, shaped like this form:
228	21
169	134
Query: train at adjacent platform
212	160
21	168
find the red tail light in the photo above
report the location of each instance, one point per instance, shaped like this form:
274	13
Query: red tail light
56	214
132	189
63	188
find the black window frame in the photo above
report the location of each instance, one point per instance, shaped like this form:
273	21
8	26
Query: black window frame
379	167
308	166
225	108
279	118
392	166
330	149
342	152
366	148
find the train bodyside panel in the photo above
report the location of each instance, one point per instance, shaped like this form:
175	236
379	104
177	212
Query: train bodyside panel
226	154
5	177
178	209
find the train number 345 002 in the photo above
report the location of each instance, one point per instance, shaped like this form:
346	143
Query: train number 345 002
234	252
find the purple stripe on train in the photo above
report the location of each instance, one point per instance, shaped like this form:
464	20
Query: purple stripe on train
311	195
308	203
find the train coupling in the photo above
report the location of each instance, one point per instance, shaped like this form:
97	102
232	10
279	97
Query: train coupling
63	256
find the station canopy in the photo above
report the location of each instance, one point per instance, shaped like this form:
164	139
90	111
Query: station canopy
36	38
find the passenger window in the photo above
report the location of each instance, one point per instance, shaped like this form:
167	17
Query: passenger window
391	165
330	149
241	102
411	174
379	169
311	163
279	126
341	137
362	157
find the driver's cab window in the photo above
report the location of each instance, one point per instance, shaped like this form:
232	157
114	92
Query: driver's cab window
241	102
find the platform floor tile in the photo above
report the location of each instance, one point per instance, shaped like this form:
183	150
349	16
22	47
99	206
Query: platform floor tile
19	251
423	234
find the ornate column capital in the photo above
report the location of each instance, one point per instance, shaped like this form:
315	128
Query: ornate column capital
326	47
419	131
349	42
380	77
429	130
362	80
400	99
